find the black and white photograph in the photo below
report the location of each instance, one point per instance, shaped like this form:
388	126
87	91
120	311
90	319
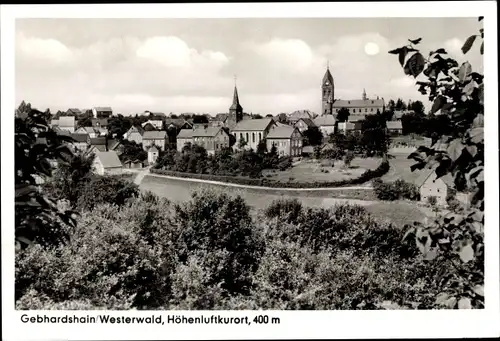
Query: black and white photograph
248	164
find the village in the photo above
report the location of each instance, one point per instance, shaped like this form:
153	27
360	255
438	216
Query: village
309	139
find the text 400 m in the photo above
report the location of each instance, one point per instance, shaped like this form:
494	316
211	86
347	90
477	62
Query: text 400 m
264	319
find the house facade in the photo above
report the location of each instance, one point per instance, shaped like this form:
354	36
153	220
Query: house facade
359	108
211	138
134	134
153	154
107	163
157	124
67	123
102	112
326	124
252	132
430	186
394	128
298	114
156	138
286	139
81	142
90	131
304	123
184	137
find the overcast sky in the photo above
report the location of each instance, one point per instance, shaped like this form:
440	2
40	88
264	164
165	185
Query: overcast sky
188	65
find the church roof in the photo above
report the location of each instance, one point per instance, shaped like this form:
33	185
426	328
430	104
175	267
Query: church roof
236	101
358	103
253	125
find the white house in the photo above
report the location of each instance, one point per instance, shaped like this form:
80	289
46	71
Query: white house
430	186
67	123
326	124
153	154
107	163
286	139
157	138
134	134
252	131
185	136
81	143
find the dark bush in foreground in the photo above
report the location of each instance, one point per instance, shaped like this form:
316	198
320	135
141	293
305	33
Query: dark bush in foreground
286	208
209	253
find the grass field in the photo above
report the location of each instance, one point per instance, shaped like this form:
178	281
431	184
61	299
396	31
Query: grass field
311	170
398	213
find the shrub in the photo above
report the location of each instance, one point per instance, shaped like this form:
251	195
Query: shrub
398	189
220	227
106	189
290	209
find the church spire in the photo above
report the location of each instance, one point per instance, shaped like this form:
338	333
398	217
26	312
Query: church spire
364	95
236	100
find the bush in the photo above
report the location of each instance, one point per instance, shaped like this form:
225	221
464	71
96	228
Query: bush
220	227
106	189
290	209
398	189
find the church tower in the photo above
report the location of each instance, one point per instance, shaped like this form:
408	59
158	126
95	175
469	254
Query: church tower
364	95
235	111
327	93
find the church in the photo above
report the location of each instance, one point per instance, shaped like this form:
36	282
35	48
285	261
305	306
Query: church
358	108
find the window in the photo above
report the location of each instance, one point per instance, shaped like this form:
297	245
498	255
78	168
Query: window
260	137
241	136
253	137
353	110
372	102
247	138
366	110
372	109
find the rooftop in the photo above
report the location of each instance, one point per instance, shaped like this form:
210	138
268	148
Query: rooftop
154	135
358	103
109	159
185	134
253	125
206	132
325	120
66	121
281	132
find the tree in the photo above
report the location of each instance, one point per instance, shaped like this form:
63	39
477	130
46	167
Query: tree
417	107
313	136
200	119
391	105
257	116
343	115
242	144
455	240
375	139
400	105
269	115
262	147
37	217
348	157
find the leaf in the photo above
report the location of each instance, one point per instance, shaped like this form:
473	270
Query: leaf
464	71
469	88
480	18
416	64
481	94
402	55
395	51
431	254
479	290
476	135
468	44
416	41
438	103
441	50
455	149
481	49
24	189
464	303
419	166
472	150
451	302
407	233
466	253
442	298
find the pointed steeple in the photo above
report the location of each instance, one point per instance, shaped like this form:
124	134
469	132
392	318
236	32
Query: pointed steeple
364	95
327	78
236	101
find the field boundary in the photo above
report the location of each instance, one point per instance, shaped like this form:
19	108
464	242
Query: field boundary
229	184
368	175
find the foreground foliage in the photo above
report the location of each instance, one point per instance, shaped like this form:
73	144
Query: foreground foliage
457	238
211	253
